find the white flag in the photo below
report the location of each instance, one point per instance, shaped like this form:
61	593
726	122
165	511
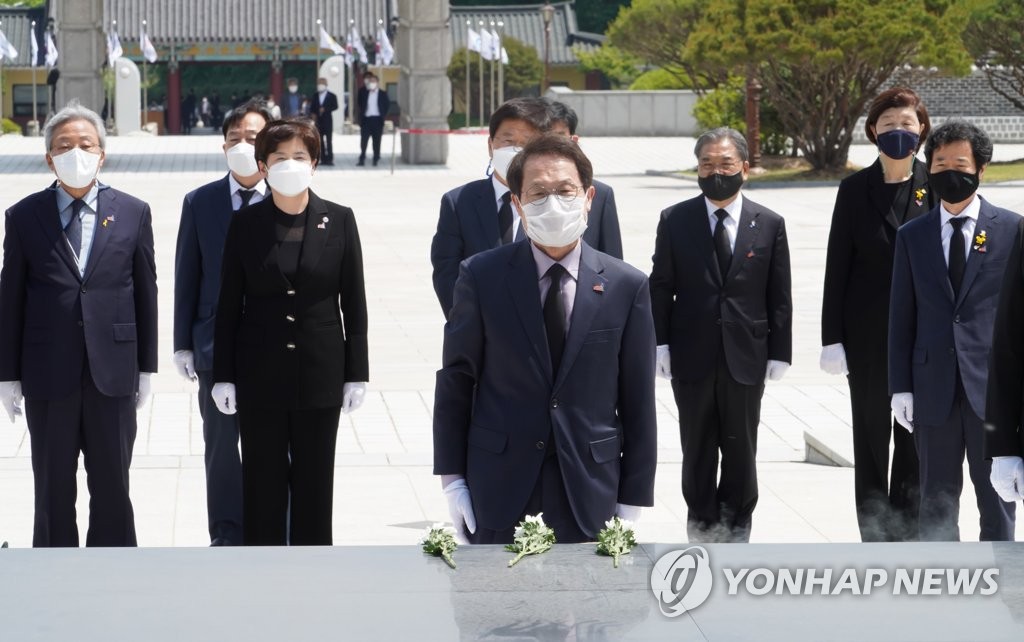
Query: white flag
495	43
354	44
34	61
327	42
114	50
487	48
6	48
51	50
385	52
473	40
148	50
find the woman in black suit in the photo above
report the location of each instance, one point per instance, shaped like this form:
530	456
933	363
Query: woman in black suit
290	342
870	206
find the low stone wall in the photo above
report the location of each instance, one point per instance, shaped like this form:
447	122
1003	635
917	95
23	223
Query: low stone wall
1001	129
631	113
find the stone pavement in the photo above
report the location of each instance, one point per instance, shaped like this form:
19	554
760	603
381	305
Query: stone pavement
384	491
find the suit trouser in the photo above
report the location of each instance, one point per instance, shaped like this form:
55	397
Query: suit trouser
223	466
719	414
940	449
887	503
286	454
548	497
103	428
326	141
370	126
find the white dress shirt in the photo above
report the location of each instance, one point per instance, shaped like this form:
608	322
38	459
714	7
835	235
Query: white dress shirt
571	263
971	213
236	198
732	222
372	108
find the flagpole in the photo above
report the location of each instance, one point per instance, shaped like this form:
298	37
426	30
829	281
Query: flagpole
109	87
35	58
481	74
469	80
501	64
352	76
145	89
317	40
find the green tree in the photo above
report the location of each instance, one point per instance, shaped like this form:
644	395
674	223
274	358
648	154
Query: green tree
995	38
620	67
820	61
522	76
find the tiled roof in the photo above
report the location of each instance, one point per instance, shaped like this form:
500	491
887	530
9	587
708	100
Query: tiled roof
16	25
181	21
525	23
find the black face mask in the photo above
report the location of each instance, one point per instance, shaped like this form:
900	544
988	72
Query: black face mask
718	187
953	186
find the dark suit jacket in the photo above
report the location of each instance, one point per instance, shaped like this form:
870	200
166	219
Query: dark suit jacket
52	320
858	269
292	344
931	335
383	102
1004	410
750	315
496	397
324	121
468	224
205	216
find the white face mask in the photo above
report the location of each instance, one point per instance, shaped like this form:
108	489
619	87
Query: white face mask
242	159
502	157
293	88
371	86
290	177
76	168
554	223
321	87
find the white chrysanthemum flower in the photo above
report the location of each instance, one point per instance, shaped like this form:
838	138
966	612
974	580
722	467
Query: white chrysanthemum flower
519	532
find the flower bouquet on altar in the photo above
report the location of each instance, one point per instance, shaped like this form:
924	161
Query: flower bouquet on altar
616	539
532	537
439	541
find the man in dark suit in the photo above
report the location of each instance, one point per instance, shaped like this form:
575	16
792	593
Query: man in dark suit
947	273
325	103
1004	439
545	402
205	216
373	105
723	313
78	332
478	216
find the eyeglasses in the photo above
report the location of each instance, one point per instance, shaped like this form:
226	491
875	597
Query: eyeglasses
566	194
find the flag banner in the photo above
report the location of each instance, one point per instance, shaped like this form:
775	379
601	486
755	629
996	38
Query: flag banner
114	49
51	50
327	42
6	48
473	42
385	52
148	50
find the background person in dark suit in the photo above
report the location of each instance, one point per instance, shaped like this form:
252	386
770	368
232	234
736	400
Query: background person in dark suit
206	214
1004	439
545	402
325	103
373	108
603	232
723	312
290	349
870	206
947	272
78	322
478	216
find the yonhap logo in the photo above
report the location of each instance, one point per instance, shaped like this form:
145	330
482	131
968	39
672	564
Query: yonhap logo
681	580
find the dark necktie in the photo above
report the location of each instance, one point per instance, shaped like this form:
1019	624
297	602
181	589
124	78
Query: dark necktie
554	316
505	218
246	195
957	254
74	227
722	248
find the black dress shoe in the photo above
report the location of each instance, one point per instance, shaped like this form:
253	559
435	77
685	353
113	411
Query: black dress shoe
221	541
361	162
375	161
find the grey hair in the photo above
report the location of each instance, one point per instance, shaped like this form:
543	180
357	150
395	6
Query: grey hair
720	133
74	111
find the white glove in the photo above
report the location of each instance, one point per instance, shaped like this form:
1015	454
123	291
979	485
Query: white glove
628	513
1007	478
833	359
10	397
460	508
185	362
224	398
664	363
903	408
775	370
145	390
352	396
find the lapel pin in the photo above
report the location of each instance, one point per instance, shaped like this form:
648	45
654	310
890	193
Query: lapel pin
750	254
109	219
753	224
599	288
323	224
